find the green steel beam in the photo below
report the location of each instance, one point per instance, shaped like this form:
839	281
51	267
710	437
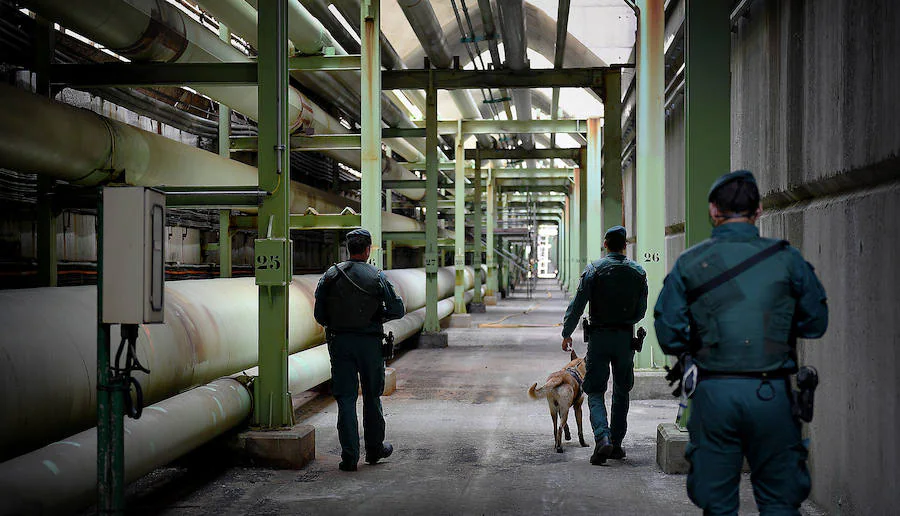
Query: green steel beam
448	127
370	22
327	221
272	402
612	196
593	221
539	198
209	197
707	104
321	142
394	184
650	166
535	181
528	173
459	226
457	79
476	233
491	287
419	165
322	63
526	188
432	324
153	74
522	154
225	265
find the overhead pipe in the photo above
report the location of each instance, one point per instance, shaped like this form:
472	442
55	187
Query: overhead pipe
425	24
154	30
62	475
515	44
41	136
210	331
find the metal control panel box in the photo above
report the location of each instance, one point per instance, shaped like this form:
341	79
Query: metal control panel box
134	236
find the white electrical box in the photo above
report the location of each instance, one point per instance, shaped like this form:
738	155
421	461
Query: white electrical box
134	236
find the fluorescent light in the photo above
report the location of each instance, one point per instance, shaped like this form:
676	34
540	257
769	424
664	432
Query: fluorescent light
340	18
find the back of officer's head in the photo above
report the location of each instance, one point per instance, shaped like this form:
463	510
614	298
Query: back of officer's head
737	197
357	245
615	242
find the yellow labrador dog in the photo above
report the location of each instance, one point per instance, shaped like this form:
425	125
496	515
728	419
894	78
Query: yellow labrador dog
563	390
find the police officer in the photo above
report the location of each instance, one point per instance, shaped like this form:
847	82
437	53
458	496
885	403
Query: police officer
736	302
353	300
617	290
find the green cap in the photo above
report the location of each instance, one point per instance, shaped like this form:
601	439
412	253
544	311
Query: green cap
738	175
620	230
360	234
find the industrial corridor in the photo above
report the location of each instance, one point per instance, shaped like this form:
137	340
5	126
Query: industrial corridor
377	256
468	440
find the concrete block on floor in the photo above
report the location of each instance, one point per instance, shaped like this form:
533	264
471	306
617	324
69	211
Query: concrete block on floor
650	385
490	300
390	381
291	448
670	445
461	321
432	340
476	308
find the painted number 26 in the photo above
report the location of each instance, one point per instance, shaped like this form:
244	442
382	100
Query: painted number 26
652	256
264	262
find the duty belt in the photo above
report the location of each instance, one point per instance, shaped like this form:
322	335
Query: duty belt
758	375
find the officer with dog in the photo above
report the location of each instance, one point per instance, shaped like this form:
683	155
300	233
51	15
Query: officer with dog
734	305
617	290
353	300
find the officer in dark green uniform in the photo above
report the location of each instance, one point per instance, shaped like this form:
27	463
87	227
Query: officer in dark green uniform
353	300
740	327
617	290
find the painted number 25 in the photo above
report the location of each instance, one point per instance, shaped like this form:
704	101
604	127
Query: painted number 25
652	256
264	262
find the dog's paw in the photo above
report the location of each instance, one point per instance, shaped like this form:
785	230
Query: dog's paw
585	445
559	449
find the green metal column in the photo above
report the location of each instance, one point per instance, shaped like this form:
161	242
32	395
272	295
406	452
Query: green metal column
492	286
594	220
575	233
370	111
651	240
612	197
44	41
477	222
272	401
225	152
707	100
459	227
561	250
389	245
432	324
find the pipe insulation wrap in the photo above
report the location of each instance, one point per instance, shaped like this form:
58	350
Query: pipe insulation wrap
211	331
62	476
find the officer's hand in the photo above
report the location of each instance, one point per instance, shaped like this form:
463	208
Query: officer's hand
567	344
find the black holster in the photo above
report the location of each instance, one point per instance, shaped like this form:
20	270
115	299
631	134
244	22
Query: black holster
803	398
637	341
387	346
586	328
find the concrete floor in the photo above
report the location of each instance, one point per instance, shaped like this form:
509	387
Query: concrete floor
467	440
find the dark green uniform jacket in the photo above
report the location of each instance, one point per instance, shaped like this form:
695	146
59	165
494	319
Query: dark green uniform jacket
617	290
368	294
748	323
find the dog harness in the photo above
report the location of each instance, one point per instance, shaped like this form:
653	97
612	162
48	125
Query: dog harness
578	379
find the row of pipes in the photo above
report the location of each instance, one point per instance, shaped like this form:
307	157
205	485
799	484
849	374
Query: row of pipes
48	377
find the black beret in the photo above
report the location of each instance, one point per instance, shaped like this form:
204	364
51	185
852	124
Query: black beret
738	175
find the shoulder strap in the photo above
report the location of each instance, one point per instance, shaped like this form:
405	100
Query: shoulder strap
347	277
694	294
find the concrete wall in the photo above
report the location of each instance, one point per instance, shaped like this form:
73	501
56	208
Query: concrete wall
815	114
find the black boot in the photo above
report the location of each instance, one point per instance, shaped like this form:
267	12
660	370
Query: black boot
373	456
617	452
347	466
601	452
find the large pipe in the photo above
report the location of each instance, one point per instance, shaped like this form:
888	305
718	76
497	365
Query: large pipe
154	30
62	475
210	331
428	30
515	44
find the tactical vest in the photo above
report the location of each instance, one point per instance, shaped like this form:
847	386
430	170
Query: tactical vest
616	290
353	298
743	325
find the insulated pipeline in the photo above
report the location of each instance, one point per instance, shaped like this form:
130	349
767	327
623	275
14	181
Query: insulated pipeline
210	331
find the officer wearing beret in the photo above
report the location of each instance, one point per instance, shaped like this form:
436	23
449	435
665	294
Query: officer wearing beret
353	300
735	303
617	290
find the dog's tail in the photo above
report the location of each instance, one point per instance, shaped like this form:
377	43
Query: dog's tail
536	393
